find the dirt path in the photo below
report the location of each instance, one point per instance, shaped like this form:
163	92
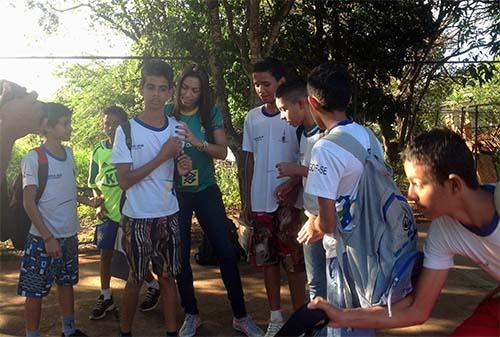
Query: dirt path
466	286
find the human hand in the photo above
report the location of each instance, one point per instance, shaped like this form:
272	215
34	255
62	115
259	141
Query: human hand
101	211
53	248
288	169
287	193
95	202
170	149
334	314
184	164
308	233
183	130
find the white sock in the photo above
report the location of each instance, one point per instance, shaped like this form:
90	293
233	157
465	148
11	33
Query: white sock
106	293
276	316
153	284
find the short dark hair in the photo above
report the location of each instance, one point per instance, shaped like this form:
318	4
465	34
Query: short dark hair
116	111
292	90
330	84
271	65
157	68
53	112
444	152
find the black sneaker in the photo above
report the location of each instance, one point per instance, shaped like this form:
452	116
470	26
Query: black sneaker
151	300
77	333
102	307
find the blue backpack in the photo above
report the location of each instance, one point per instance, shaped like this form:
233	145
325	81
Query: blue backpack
377	254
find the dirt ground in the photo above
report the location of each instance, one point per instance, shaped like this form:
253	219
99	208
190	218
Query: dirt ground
466	286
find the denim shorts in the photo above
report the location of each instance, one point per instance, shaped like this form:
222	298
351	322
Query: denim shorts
39	270
105	234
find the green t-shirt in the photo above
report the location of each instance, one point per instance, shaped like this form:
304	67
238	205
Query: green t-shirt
102	175
203	173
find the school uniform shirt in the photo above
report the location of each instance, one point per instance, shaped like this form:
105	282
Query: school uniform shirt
57	205
153	196
102	176
448	237
272	141
203	173
334	174
307	141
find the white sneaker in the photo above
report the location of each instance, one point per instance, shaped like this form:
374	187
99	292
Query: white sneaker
246	326
190	325
273	328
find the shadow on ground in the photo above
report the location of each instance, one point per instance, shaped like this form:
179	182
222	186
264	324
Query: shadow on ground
466	286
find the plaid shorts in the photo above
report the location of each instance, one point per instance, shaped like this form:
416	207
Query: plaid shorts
275	239
156	240
39	270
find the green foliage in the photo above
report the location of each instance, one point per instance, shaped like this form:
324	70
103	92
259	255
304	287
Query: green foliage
227	179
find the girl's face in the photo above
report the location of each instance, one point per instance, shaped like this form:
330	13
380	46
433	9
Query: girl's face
190	92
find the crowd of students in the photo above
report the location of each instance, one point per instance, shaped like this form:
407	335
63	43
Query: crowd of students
301	188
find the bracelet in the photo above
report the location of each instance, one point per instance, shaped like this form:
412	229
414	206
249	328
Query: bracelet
48	238
203	146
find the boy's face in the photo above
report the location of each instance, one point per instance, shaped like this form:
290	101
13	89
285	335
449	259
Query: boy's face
291	111
431	197
62	130
156	91
265	86
109	124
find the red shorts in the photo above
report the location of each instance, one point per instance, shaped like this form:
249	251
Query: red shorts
275	239
484	321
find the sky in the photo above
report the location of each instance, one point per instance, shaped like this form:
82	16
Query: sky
22	35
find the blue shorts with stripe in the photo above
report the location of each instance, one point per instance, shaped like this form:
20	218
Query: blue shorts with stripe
39	270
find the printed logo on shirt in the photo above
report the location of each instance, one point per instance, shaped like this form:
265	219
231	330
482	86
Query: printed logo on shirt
345	209
190	179
283	137
110	179
55	176
258	138
137	146
313	167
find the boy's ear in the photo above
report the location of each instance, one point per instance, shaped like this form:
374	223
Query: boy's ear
313	102
456	183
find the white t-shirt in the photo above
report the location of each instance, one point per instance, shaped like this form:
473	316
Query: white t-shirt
272	141
153	196
334	174
447	237
57	204
307	141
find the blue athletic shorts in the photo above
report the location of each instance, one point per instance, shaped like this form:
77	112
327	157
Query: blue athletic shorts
105	234
39	270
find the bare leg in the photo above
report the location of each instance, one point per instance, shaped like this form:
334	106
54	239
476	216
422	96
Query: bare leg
297	286
273	283
66	300
105	267
32	311
129	305
168	292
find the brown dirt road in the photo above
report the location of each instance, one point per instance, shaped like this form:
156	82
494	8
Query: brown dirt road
466	286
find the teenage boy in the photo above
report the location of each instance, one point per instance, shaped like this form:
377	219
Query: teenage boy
51	248
146	173
291	100
269	140
334	173
104	184
443	184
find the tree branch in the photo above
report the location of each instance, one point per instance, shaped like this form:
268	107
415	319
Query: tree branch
276	21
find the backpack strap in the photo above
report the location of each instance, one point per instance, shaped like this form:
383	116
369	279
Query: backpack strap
43	172
348	143
128	134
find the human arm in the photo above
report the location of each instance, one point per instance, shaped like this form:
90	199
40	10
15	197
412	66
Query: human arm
29	203
326	221
128	177
414	309
291	170
184	164
93	202
217	150
308	233
248	175
101	209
